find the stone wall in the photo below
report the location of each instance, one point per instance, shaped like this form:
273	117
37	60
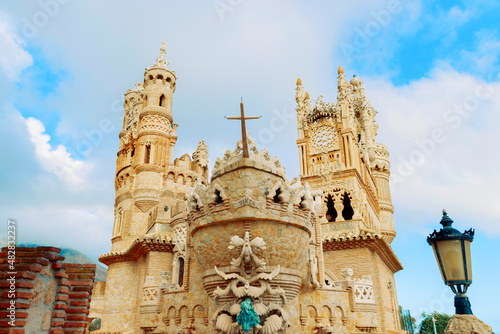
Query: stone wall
41	294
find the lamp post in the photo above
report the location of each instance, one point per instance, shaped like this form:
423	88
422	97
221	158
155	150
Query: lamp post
452	251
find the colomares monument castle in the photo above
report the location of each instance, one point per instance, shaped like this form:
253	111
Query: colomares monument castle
246	250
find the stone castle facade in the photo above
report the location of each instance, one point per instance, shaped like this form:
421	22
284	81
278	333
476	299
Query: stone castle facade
247	249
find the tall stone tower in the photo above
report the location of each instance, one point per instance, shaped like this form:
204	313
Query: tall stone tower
348	172
144	170
150	189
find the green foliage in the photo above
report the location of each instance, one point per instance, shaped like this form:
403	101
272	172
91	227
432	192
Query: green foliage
426	326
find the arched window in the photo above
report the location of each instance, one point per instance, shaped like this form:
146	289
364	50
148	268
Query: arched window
348	211
162	101
331	213
277	196
180	270
218	197
147	153
302	204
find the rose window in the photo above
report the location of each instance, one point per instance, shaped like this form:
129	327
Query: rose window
323	137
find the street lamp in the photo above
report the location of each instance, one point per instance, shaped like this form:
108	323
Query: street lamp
452	251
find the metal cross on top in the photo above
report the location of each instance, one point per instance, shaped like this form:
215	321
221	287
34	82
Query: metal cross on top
243	118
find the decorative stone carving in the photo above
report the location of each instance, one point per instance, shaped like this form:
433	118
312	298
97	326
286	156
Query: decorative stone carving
201	154
247	312
313	265
155	123
246	201
139	87
150	291
347	273
262	157
194	200
329	329
330	283
160	60
317	195
324	138
145	205
321	109
180	233
363	290
165	276
174	129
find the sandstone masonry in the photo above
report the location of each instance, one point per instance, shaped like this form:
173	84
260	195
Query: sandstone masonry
319	245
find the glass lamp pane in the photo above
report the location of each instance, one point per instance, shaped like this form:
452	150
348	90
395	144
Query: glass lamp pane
452	259
437	260
468	259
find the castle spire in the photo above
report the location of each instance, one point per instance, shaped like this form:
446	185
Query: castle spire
299	96
160	60
342	86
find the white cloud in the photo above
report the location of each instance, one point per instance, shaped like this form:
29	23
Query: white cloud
13	58
441	133
79	226
485	58
56	161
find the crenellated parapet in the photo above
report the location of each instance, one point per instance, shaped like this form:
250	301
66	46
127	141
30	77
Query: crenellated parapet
262	160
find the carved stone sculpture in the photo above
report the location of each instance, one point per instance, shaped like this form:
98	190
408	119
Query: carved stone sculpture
247	312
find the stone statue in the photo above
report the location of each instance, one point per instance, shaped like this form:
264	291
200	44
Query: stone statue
313	263
160	60
247	318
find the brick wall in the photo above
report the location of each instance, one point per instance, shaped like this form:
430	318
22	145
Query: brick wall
44	294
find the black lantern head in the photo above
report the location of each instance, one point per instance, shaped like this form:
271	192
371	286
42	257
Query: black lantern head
452	251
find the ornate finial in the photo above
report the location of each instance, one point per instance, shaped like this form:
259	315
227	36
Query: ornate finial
160	60
307	96
163	46
341	70
299	82
446	221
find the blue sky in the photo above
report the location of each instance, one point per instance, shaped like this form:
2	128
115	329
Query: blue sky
430	68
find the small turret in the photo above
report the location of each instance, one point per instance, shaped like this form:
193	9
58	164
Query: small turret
159	85
299	96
